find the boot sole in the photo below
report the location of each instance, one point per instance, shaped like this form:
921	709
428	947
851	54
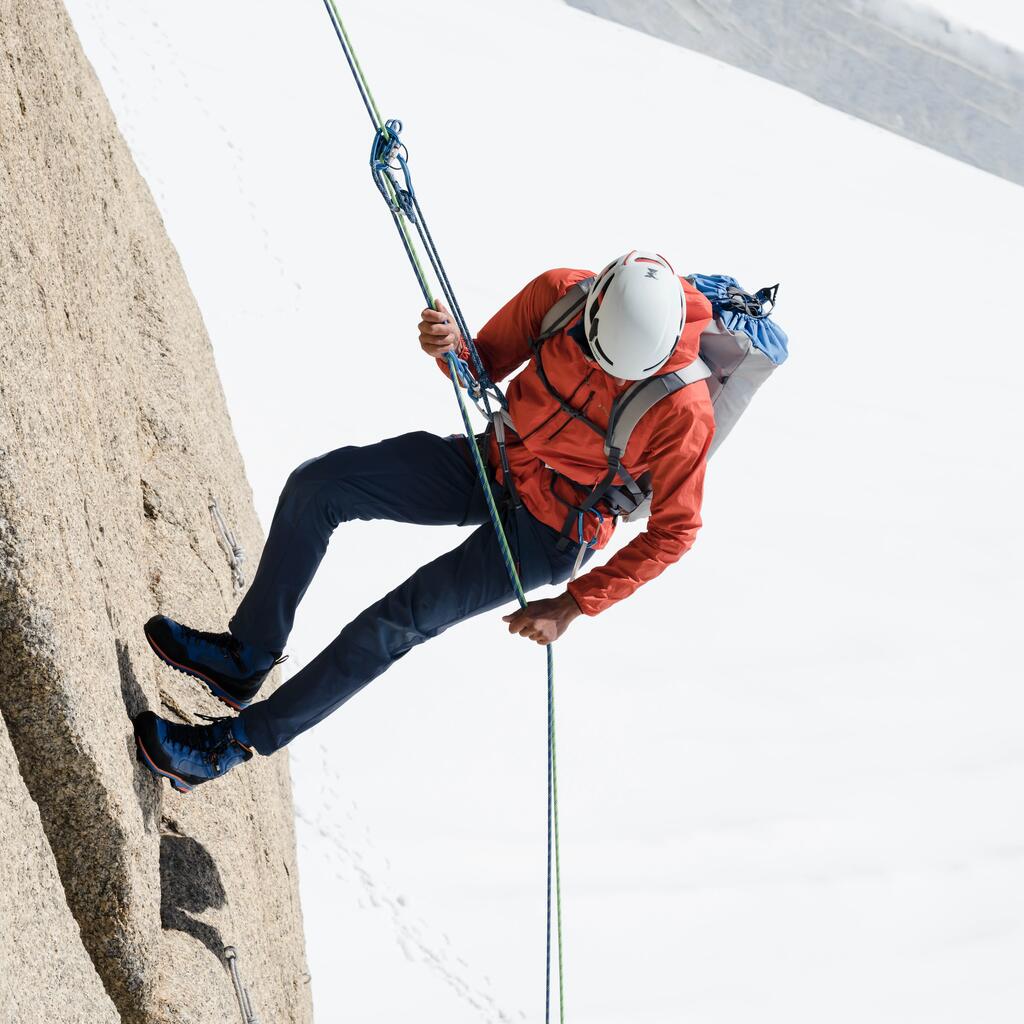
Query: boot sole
177	783
215	690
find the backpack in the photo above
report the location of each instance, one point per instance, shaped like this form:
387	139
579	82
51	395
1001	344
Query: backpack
739	350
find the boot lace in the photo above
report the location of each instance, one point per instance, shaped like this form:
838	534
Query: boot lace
217	748
225	641
211	743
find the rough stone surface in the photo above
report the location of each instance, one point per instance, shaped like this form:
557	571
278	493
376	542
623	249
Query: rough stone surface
36	926
114	436
894	63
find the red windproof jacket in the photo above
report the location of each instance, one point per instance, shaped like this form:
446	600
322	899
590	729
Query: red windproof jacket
671	440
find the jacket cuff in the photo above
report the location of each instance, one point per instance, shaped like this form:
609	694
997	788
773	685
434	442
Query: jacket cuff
589	604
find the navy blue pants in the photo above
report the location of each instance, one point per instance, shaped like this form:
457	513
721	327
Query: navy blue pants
416	478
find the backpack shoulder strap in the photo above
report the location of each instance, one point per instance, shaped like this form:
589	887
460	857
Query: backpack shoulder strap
642	396
564	311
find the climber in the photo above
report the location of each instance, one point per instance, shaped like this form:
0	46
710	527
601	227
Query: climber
638	319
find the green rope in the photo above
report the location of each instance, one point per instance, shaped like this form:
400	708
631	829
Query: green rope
554	818
357	70
478	461
413	253
506	550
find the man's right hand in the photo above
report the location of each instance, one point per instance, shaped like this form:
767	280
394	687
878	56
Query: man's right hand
438	333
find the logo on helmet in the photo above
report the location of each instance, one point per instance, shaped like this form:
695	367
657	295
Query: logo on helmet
652	272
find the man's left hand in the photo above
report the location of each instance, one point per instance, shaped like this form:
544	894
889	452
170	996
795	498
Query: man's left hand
544	621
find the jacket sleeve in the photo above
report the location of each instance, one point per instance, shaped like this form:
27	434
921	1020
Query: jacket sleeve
677	455
504	341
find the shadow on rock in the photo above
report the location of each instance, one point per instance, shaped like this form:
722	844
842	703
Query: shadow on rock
189	884
134	698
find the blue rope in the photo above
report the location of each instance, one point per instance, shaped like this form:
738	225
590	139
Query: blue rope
478	366
492	508
551	710
388	150
357	72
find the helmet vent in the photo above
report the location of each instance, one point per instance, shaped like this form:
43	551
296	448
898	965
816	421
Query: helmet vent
604	287
607	358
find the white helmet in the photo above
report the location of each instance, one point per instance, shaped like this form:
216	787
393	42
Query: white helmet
634	315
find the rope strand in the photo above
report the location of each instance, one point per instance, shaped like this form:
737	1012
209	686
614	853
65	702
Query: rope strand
404	205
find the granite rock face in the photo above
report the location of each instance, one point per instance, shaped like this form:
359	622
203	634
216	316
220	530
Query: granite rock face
37	931
114	441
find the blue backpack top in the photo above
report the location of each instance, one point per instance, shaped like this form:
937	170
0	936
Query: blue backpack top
741	311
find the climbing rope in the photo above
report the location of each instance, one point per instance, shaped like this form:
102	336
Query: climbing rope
241	992
234	550
390	169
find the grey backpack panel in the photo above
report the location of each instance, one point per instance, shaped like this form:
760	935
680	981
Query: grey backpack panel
738	369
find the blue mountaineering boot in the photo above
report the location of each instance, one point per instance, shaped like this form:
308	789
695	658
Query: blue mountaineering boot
188	754
233	671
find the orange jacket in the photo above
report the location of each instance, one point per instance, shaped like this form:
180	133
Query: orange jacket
671	440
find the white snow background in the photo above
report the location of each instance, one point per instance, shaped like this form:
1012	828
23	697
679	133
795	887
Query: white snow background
791	768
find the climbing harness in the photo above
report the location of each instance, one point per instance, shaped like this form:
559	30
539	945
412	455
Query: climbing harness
241	992
390	169
234	551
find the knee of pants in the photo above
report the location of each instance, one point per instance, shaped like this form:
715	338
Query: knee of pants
305	472
311	490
